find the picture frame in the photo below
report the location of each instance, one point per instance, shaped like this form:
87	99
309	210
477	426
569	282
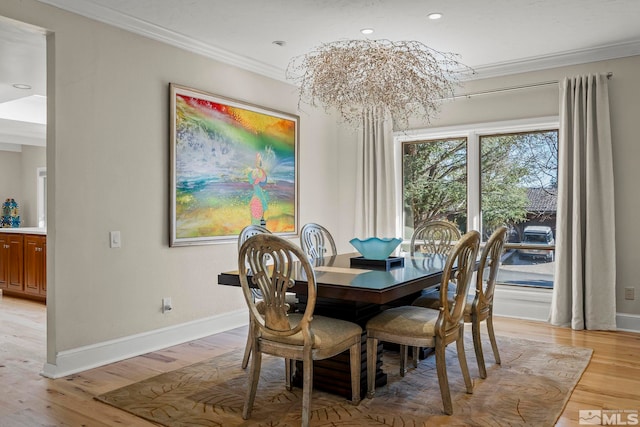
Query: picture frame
232	164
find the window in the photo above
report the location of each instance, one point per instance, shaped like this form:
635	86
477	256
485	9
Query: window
434	182
483	176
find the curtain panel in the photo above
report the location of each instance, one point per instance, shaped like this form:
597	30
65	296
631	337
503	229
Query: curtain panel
375	174
585	275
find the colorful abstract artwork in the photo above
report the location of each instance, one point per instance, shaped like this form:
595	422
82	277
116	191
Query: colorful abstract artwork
233	164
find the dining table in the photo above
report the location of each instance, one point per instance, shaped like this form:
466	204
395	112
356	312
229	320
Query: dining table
352	288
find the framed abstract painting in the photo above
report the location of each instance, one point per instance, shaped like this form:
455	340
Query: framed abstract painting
232	164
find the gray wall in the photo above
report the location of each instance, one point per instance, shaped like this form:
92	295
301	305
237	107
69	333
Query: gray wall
10	176
108	169
107	165
18	179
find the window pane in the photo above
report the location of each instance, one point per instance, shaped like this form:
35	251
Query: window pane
434	182
519	183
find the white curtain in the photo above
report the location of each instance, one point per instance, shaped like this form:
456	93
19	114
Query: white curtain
585	276
375	192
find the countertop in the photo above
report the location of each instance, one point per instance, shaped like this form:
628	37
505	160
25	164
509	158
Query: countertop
25	230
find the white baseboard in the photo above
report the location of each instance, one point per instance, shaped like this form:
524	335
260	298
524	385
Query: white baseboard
80	359
628	322
535	303
517	302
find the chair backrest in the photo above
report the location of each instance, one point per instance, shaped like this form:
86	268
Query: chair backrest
458	270
436	237
316	241
250	230
273	263
490	259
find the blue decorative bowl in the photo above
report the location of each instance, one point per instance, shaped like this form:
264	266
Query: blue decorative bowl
375	247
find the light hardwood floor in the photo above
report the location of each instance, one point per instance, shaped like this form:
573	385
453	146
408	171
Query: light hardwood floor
611	381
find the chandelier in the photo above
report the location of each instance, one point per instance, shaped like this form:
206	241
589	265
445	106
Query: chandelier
403	79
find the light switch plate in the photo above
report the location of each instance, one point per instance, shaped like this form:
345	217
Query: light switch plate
114	239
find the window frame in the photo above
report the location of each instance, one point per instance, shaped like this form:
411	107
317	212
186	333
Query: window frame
472	132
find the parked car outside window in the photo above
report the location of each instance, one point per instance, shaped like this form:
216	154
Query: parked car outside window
538	234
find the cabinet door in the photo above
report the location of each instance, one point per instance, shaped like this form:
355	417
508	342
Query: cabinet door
34	265
4	261
15	262
11	262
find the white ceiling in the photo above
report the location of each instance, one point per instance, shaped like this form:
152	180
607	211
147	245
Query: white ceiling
22	61
494	37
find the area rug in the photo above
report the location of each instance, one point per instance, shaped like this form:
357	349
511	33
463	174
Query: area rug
530	388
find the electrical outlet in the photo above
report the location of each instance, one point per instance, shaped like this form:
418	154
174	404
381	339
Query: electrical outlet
166	305
629	293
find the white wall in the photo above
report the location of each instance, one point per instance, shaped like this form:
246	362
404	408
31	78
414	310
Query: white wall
10	176
18	177
108	169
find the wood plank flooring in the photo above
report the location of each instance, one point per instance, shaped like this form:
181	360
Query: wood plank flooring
611	381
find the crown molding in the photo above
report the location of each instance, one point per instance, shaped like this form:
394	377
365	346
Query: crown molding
562	59
137	26
16	148
155	32
16	133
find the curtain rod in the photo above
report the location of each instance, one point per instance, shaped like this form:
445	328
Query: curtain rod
511	88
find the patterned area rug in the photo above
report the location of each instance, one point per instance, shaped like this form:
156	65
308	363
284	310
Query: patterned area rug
531	388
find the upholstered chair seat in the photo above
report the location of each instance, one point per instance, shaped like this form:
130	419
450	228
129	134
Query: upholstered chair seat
479	306
416	326
271	264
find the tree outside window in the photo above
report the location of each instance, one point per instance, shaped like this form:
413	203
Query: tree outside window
516	178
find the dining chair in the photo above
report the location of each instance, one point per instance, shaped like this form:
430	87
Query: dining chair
316	241
436	237
479	306
245	233
427	327
249	231
272	262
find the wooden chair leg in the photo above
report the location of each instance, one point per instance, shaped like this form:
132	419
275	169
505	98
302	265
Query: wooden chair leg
492	338
443	381
288	373
247	348
372	359
462	358
254	377
307	386
416	356
477	346
356	368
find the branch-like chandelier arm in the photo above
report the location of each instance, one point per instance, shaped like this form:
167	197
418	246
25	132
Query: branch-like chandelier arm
404	79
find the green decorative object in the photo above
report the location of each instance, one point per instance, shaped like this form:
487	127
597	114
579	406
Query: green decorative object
375	247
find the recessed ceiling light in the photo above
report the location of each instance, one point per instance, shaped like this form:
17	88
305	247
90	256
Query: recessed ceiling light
21	86
367	31
279	42
434	16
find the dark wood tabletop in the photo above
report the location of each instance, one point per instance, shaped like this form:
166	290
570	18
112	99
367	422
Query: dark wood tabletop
337	279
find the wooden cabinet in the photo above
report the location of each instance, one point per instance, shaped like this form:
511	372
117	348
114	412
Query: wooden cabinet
35	265
23	265
11	262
